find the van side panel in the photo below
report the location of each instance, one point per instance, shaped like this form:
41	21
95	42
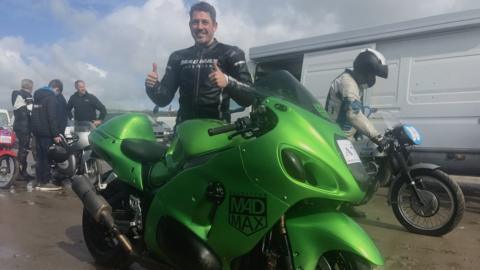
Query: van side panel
433	84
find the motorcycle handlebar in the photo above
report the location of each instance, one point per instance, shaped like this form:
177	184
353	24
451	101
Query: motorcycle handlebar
222	129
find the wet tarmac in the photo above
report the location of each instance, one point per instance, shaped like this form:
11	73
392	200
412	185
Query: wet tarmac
42	230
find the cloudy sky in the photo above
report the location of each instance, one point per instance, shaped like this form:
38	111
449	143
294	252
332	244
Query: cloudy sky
111	43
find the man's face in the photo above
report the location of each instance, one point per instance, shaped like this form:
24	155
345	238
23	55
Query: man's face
81	88
202	27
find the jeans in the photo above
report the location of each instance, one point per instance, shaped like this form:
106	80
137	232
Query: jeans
43	165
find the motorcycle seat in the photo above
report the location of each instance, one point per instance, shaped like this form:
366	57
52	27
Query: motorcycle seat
142	150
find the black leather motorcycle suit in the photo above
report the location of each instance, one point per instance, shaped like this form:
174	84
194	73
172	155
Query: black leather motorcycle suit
22	102
188	70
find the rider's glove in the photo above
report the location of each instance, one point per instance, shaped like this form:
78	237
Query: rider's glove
381	142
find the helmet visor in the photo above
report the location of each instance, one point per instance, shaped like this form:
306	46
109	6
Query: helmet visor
382	71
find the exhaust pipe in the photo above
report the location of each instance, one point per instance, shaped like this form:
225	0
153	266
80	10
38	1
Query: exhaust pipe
99	208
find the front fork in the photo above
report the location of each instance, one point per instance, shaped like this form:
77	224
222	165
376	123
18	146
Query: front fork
413	183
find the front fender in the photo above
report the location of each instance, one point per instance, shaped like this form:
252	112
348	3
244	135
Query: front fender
8	152
421	166
311	236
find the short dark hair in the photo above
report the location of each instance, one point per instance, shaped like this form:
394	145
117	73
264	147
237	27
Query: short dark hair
205	7
77	82
56	83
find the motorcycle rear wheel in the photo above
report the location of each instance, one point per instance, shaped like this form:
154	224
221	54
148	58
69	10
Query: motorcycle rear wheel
8	171
342	261
443	210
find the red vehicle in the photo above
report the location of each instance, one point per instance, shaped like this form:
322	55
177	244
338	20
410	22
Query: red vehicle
8	158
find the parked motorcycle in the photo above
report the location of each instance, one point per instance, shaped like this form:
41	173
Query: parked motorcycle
261	193
73	155
424	199
8	158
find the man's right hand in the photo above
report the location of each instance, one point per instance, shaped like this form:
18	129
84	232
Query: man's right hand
381	142
96	123
57	139
152	77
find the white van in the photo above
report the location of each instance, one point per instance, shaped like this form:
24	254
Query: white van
433	83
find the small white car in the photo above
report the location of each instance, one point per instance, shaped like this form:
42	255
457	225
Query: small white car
5	120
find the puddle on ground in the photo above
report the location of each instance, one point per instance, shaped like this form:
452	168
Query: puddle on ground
6	253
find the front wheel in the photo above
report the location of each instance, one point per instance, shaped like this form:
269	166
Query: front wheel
8	171
342	261
443	207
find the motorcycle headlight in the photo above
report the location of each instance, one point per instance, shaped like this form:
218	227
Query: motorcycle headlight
412	134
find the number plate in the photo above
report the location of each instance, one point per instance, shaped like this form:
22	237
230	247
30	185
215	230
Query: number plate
6	139
348	151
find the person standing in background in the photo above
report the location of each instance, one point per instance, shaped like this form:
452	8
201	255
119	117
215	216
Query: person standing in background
45	129
22	103
85	105
62	117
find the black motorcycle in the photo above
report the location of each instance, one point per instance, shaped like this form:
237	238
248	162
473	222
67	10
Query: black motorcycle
73	155
424	199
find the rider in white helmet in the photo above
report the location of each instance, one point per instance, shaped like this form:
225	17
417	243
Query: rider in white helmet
345	99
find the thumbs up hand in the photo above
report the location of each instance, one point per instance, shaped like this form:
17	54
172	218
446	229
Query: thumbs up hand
217	77
152	77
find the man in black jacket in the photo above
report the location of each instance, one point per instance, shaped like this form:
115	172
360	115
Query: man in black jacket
85	105
22	102
45	129
207	74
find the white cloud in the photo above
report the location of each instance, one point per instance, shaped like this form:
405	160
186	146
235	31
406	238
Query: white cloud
113	52
101	73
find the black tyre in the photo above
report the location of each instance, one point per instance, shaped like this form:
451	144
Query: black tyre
342	261
104	250
444	205
8	171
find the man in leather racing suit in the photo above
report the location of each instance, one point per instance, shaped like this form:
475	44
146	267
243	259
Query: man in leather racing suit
345	100
22	102
208	74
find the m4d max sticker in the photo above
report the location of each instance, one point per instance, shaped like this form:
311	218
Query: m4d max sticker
247	214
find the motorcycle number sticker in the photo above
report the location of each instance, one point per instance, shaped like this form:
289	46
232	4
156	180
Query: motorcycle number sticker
5	139
248	214
348	151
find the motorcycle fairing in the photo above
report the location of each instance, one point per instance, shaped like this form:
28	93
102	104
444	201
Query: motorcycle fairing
313	235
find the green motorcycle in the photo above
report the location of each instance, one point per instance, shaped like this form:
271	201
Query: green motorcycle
261	193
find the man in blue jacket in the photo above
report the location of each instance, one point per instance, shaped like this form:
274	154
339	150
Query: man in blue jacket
62	115
46	132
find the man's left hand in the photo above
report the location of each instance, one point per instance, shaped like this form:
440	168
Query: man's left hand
57	139
97	122
217	77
